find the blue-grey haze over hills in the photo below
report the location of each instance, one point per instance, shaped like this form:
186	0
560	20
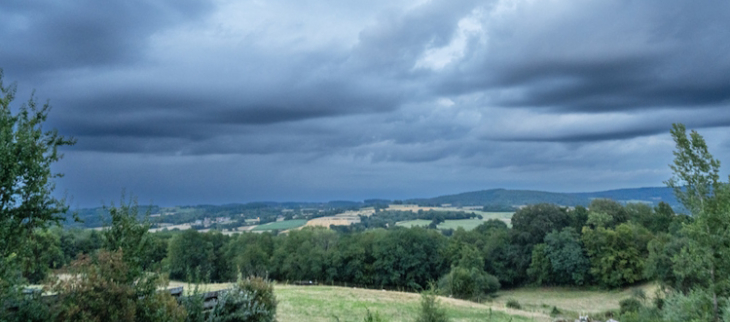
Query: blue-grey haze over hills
217	101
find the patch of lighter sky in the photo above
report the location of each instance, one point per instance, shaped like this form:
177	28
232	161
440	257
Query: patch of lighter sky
506	123
445	102
437	58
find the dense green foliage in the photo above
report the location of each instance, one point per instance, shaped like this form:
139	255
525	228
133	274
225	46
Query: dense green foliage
27	152
467	278
250	300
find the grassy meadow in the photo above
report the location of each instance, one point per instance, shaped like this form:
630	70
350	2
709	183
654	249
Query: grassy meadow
344	304
334	303
467	224
282	225
570	299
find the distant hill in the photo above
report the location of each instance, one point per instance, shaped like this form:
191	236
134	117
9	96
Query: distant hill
503	197
499	198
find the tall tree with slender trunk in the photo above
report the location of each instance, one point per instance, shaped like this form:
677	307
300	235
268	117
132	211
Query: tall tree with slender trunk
697	185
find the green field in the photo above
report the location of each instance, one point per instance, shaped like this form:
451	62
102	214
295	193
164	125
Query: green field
571	299
282	225
467	224
331	303
324	303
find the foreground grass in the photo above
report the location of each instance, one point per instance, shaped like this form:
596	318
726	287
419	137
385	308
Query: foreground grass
331	303
569	299
282	225
343	304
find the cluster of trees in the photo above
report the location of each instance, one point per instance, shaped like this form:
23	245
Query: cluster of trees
607	245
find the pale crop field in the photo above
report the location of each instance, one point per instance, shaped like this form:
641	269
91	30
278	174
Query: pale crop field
333	220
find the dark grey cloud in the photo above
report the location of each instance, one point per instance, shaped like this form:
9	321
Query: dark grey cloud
248	99
42	36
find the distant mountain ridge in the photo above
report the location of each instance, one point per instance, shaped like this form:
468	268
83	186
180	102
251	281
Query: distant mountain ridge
511	198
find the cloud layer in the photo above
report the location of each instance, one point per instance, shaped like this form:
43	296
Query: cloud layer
229	101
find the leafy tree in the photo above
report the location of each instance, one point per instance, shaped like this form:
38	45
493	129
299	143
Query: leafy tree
540	271
697	185
251	253
568	261
467	279
191	257
609	207
579	216
408	258
599	219
663	250
617	256
43	252
306	254
125	232
663	217
27	152
533	222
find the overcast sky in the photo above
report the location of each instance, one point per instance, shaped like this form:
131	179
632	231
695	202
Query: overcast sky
187	102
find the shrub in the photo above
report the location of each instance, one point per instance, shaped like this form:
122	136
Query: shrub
555	311
252	299
513	304
30	309
101	289
194	306
469	284
431	310
630	305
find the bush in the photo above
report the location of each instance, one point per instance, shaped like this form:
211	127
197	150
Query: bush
101	289
513	304
630	305
252	299
555	311
469	284
30	309
431	310
194	306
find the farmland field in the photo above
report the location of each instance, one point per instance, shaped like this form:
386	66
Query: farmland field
333	220
467	224
282	225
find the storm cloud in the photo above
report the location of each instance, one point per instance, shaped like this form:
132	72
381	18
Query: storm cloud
187	102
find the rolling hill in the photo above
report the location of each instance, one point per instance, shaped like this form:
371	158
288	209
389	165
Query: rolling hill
507	198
